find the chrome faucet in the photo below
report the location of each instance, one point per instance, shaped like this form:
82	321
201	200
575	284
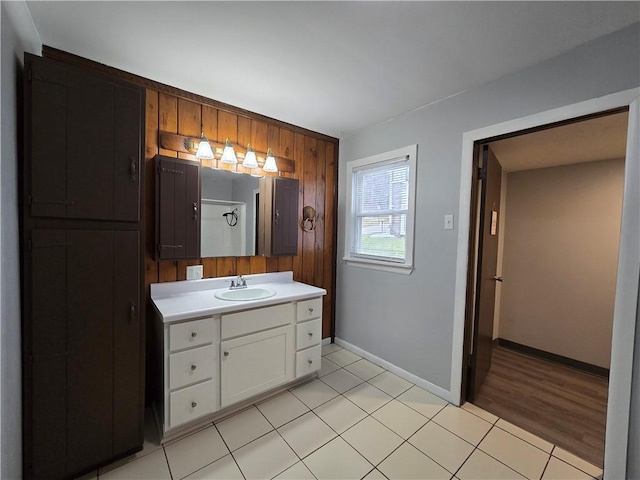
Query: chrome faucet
239	283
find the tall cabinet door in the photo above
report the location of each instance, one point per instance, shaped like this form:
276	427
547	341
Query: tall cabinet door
177	208
86	401
85	144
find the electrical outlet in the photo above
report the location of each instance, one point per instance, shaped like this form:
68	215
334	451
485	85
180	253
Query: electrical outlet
194	272
448	222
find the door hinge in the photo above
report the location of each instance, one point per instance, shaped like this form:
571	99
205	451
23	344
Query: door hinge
30	245
468	360
482	173
29	75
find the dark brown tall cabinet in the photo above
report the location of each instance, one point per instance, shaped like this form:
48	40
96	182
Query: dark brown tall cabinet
82	270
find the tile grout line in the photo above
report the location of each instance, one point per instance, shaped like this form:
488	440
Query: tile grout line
166	459
496	459
229	450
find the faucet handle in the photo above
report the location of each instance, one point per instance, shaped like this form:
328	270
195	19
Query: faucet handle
232	284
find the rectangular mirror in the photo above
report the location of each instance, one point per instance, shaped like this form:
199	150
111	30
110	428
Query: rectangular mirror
229	213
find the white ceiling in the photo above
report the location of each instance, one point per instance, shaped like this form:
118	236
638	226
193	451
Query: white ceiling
601	138
333	67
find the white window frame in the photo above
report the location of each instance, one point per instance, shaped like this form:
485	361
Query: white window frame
393	265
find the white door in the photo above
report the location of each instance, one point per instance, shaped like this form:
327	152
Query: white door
255	363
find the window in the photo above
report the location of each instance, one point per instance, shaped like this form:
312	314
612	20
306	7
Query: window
379	231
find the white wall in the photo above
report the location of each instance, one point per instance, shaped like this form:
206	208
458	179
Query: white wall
408	320
561	257
18	35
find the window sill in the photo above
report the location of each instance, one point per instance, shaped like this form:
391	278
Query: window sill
400	268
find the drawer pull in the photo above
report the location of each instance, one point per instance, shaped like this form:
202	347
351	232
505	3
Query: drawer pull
310	361
226	354
310	334
193	367
194	334
310	309
194	404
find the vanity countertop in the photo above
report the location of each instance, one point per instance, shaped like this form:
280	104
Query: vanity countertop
196	298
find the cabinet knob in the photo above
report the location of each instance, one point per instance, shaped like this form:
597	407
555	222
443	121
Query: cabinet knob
226	354
194	334
194	404
193	367
311	334
310	309
310	361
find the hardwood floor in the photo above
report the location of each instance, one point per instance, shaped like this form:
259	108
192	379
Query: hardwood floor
564	406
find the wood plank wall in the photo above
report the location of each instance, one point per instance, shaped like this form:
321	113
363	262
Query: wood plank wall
315	161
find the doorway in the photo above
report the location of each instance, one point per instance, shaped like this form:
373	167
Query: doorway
559	272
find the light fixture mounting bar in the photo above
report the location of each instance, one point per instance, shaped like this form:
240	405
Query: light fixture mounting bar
187	144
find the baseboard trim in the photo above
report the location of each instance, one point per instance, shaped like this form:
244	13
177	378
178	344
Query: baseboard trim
410	377
552	357
326	341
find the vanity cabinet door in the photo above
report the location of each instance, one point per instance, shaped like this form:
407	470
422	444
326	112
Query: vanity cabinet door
177	208
83	140
255	363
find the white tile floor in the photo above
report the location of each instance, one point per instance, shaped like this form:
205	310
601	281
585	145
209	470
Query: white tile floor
356	421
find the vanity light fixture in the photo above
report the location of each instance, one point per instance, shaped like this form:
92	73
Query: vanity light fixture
228	154
204	149
250	160
270	162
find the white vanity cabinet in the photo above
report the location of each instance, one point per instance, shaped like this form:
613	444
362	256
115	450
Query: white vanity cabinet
220	355
191	375
257	352
308	336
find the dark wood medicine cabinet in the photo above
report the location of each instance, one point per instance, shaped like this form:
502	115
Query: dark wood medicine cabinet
82	269
179	212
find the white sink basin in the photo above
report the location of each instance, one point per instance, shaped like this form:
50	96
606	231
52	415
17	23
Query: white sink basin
250	293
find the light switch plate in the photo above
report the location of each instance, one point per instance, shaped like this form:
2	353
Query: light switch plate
448	222
194	272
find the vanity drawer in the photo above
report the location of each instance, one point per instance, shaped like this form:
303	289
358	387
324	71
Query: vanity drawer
242	323
308	333
308	361
191	366
309	309
191	334
192	402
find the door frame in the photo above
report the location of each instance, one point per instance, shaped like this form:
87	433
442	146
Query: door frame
626	302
